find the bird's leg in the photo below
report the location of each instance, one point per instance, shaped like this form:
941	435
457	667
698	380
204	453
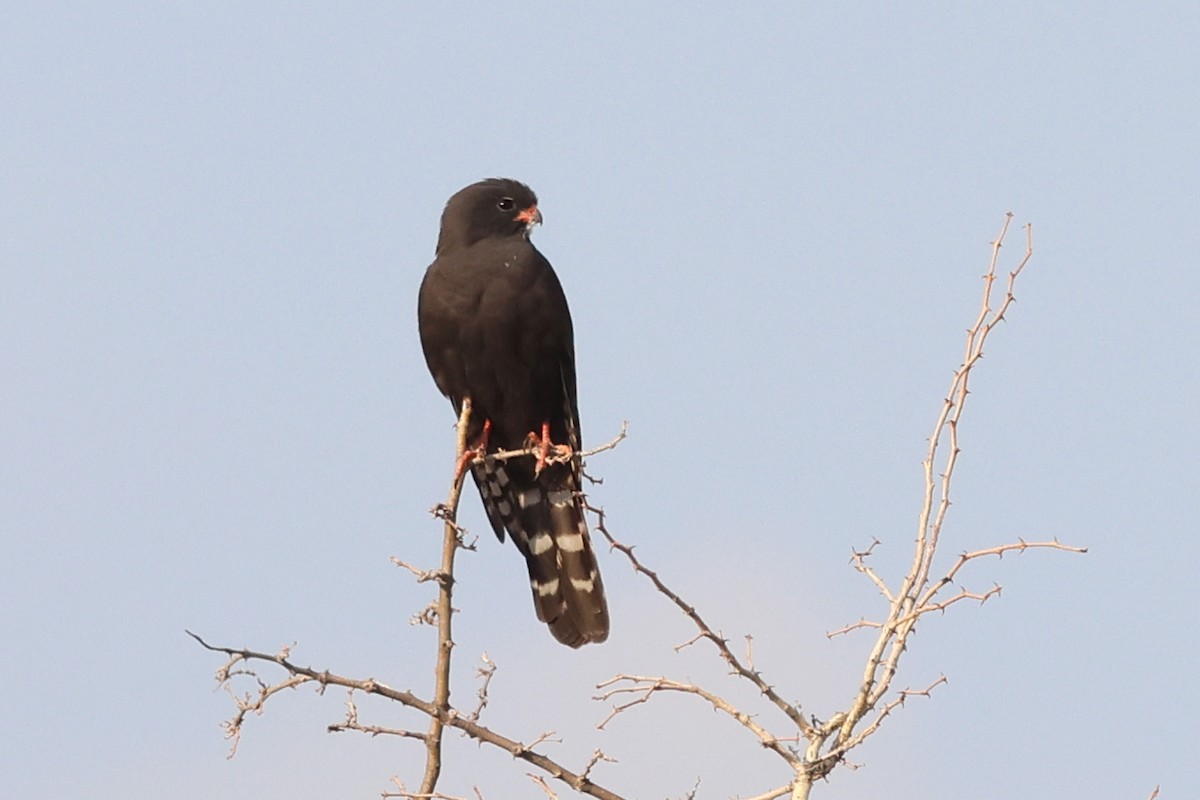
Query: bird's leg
543	448
471	453
543	445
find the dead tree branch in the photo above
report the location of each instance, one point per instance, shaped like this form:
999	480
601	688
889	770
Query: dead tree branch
917	595
705	632
643	688
451	541
239	664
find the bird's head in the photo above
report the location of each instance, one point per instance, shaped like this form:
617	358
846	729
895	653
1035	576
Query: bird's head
496	207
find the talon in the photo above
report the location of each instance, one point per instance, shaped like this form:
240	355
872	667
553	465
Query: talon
543	446
471	453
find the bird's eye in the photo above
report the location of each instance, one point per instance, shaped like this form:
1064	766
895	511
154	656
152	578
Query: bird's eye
506	204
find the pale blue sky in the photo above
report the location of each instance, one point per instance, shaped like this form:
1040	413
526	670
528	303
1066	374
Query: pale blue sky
770	222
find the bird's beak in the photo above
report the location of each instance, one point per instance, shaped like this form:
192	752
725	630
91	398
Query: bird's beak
530	216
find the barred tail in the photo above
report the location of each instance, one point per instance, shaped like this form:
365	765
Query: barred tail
544	516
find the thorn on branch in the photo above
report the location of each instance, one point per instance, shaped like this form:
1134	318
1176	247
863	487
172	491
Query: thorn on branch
545	787
854	626
426	616
691	795
597	757
859	555
548	736
485	672
422	575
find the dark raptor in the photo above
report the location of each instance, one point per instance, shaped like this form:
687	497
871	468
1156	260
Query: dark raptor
495	328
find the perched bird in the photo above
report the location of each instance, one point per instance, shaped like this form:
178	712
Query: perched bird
495	328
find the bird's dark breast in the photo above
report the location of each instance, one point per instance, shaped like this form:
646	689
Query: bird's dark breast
495	327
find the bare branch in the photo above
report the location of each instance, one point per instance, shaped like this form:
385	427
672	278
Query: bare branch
597	757
552	457
705	631
352	724
645	687
918	594
859	561
545	787
915	595
853	626
777	792
981	597
422	575
451	540
299	675
691	795
684	645
1020	546
926	604
888	708
404	794
485	672
611	443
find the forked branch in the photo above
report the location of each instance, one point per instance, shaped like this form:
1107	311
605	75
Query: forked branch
917	595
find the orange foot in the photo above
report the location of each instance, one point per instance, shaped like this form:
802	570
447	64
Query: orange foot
471	453
544	446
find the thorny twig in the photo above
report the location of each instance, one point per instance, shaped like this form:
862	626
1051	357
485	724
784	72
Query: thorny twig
451	540
644	687
352	724
404	794
485	673
239	660
916	596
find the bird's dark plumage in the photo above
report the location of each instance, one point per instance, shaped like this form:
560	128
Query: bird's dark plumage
495	327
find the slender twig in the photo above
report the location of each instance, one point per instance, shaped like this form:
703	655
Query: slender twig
859	561
541	783
777	792
597	757
404	794
645	687
485	673
552	457
352	724
891	706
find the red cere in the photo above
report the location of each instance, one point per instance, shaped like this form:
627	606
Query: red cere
530	215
